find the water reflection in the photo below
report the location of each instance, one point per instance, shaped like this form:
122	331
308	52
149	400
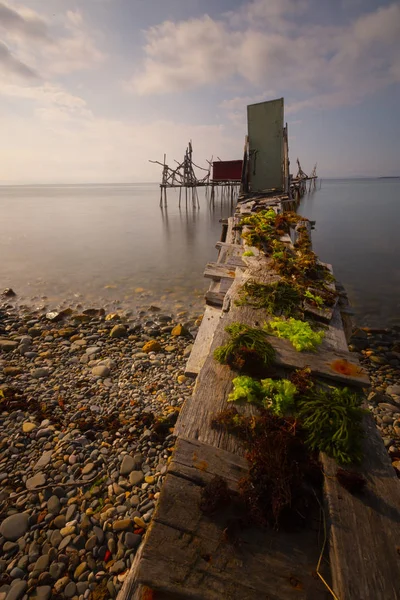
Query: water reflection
104	242
357	232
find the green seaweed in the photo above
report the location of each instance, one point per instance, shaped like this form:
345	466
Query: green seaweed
332	420
279	298
298	263
248	349
279	396
299	333
246	388
314	299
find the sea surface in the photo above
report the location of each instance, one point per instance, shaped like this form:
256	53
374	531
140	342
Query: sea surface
358	231
107	244
113	245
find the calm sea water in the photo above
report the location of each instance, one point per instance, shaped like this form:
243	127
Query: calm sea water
103	244
358	232
112	244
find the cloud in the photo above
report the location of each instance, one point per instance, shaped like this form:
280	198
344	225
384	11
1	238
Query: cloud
13	66
184	55
261	45
50	99
30	25
64	47
60	146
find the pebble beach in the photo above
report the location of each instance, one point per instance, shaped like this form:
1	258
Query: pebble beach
88	401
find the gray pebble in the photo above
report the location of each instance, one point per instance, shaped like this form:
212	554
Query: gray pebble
70	589
15	526
17	590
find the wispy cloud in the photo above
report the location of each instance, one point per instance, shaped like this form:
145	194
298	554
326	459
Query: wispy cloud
261	45
25	24
14	67
31	42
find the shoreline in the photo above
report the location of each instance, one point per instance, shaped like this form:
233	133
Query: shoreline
379	352
87	430
88	408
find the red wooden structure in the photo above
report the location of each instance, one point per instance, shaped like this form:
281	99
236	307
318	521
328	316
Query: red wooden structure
227	170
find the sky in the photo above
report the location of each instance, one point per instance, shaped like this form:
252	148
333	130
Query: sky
90	90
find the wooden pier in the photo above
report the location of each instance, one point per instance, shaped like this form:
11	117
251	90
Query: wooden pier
184	177
350	548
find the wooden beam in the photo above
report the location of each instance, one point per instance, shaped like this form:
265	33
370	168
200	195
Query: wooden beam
217	271
203	341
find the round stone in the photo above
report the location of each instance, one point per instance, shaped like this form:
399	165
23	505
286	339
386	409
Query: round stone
60	521
43	592
136	478
70	590
14	527
17	590
122	525
40	372
56	570
36	481
53	505
127	465
87	469
132	540
101	371
91	543
28	427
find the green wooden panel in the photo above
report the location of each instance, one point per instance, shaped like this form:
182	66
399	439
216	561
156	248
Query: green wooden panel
265	128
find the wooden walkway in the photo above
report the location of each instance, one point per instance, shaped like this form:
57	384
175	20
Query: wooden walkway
187	555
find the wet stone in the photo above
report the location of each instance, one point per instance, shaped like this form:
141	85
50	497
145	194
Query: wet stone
15	526
70	590
17	590
36	481
54	505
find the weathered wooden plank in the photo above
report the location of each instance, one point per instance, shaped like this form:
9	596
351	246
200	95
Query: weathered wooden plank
286	239
195	460
230	238
186	553
364	529
189	554
214	298
323	315
235	261
328	365
236	230
225	284
132	589
202	343
233	247
217	270
184	565
215	380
